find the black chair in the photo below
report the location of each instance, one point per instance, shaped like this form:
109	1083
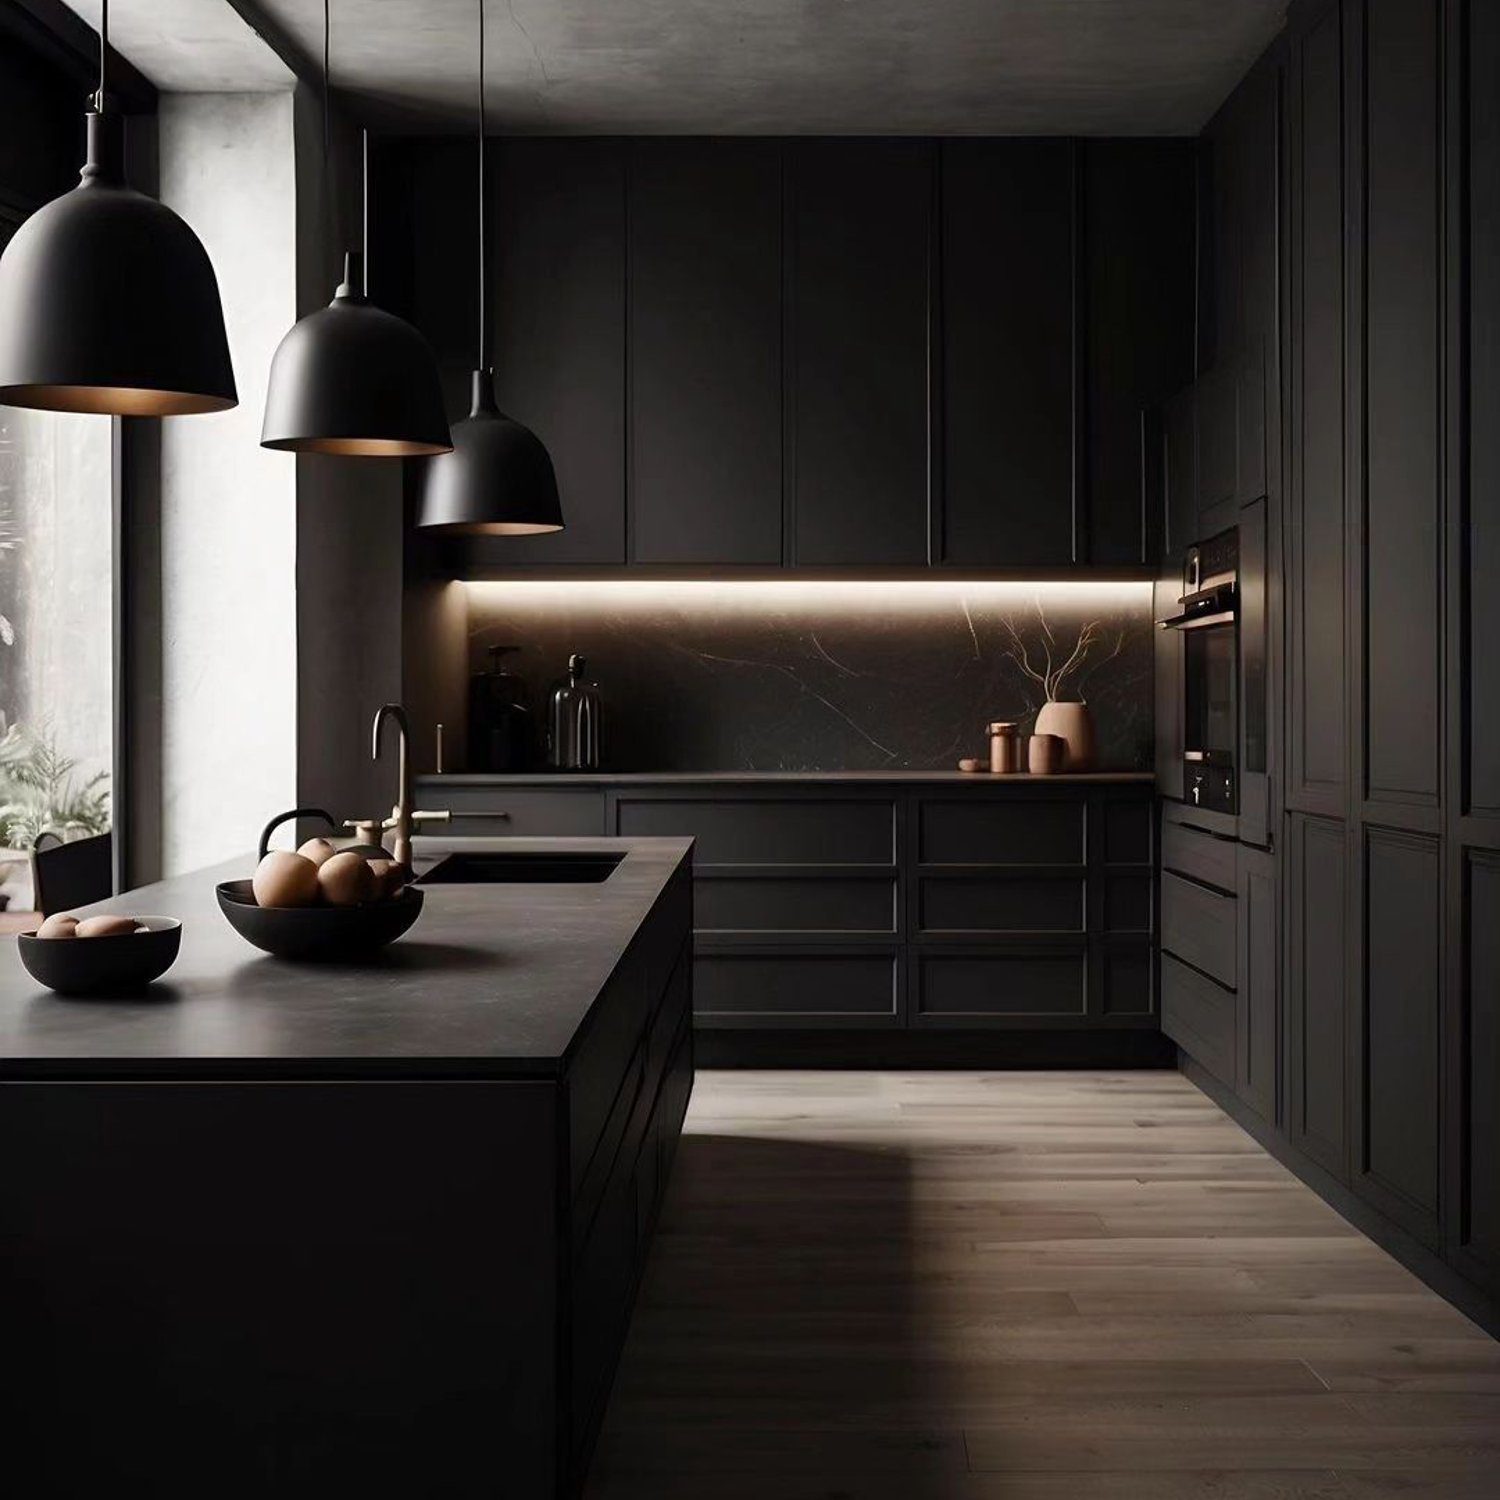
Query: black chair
65	875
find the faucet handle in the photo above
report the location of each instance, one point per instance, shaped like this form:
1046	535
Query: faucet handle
443	816
366	830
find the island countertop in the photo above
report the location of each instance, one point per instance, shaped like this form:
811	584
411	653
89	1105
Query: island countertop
492	981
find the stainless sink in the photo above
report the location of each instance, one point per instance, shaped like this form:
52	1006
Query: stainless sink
521	869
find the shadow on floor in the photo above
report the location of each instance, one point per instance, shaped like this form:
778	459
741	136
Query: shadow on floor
773	1347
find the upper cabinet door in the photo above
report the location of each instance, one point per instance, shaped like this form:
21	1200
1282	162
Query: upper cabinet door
1008	354
559	336
1138	201
859	232
704	339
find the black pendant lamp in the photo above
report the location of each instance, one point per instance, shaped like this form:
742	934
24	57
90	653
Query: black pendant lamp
352	378
498	480
108	302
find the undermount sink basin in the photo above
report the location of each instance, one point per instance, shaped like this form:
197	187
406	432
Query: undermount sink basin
521	869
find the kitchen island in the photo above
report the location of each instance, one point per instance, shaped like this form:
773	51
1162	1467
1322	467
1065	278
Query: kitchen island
280	1229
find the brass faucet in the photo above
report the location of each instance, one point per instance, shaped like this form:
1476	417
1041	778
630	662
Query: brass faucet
403	818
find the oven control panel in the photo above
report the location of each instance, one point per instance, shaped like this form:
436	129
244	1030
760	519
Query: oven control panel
1211	786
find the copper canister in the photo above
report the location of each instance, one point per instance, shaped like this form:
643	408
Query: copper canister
1005	748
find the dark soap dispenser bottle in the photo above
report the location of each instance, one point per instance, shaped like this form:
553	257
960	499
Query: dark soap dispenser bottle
573	721
501	731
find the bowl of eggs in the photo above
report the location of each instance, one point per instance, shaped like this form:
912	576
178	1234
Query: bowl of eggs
81	956
322	902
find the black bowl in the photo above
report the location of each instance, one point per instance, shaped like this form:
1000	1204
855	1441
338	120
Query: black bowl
84	966
342	933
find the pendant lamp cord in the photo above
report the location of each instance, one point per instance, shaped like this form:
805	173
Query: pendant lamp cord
103	52
332	217
484	342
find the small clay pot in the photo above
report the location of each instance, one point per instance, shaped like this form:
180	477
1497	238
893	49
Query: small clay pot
1044	754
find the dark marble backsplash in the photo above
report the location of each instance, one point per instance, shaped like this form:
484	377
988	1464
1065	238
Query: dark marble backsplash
803	676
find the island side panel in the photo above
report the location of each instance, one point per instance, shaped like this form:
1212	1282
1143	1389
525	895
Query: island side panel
628	1084
280	1288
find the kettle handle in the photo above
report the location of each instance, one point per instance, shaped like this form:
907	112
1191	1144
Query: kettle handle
286	817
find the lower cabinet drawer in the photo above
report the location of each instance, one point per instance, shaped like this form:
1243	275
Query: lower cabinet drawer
496	812
1199	1016
962	989
995	903
768	830
1200	926
791	903
1198	853
802	989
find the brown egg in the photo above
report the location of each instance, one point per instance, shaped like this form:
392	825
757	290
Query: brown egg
317	850
285	879
60	924
347	880
389	878
92	927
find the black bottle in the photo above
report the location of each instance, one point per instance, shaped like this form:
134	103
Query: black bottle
502	736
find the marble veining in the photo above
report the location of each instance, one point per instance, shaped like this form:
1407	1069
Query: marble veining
875	678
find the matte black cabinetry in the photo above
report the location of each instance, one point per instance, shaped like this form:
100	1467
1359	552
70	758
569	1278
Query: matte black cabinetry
393	1275
813	353
560	333
857	380
876	905
1316	554
1138	205
1008	275
1258	984
1380	861
1471	806
703	345
557	320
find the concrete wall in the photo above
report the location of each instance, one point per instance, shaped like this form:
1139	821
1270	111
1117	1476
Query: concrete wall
229	507
281	577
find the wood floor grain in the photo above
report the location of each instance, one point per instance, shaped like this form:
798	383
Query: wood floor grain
1066	1286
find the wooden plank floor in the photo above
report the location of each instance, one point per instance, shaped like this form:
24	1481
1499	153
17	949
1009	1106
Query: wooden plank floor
1067	1286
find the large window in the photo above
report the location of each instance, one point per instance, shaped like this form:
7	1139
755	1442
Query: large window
56	616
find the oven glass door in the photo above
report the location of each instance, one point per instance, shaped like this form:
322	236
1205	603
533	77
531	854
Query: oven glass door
1210	721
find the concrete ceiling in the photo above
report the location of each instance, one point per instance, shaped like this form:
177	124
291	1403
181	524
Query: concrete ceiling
190	45
1091	67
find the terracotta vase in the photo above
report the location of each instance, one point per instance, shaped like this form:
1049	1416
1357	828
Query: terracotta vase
1074	725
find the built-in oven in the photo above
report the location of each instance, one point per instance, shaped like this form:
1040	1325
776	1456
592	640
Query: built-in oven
1208	618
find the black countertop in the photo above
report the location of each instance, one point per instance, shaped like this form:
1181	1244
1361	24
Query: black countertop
492	981
782	778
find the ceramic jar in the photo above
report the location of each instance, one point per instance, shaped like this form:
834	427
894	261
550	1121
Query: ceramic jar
1005	748
1074	725
1045	754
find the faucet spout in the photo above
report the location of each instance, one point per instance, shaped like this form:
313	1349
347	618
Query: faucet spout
402	819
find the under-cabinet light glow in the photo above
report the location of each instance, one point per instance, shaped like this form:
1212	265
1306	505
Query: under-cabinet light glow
770	596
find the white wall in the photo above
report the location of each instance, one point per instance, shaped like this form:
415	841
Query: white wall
229	520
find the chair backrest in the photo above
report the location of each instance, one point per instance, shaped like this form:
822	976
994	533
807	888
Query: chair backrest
68	875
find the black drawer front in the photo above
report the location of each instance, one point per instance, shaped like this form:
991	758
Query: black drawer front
1191	851
791	903
961	989
1199	925
1000	904
1128	901
797	989
1127	832
1199	1016
768	830
1127	983
495	812
982	830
